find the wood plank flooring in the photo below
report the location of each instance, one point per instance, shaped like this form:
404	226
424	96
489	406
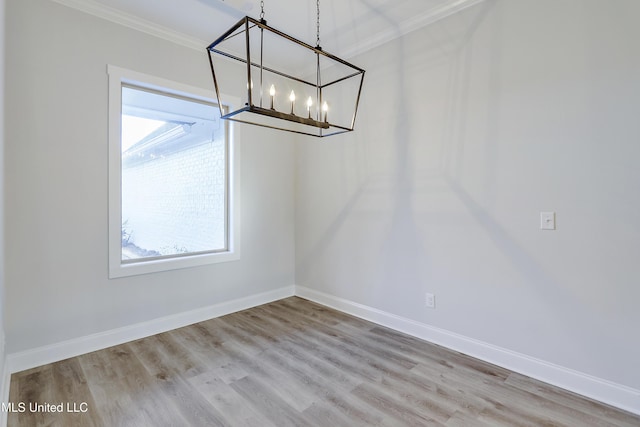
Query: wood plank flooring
292	363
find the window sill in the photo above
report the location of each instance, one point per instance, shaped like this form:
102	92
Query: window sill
158	265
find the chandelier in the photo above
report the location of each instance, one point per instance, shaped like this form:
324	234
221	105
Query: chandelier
307	90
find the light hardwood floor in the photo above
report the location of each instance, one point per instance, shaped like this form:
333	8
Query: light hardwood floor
293	363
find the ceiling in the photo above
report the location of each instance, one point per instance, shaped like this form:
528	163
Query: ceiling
347	27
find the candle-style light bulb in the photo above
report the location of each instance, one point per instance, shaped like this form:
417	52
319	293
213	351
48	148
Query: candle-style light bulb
325	108
309	104
292	98
272	92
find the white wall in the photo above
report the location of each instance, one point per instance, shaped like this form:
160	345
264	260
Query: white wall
56	235
469	129
2	274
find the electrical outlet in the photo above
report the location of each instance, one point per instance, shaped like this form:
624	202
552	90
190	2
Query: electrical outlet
430	300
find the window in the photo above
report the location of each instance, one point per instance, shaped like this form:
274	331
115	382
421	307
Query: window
171	177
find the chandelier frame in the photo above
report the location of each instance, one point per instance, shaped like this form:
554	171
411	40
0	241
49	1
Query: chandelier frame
317	126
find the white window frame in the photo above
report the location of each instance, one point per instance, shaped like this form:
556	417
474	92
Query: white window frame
117	77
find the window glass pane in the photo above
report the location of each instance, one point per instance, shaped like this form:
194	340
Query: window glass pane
174	176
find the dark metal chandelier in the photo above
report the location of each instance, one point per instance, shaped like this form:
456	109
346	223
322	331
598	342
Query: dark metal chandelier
330	87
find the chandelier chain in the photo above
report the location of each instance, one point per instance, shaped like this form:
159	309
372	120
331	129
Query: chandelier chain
262	10
318	23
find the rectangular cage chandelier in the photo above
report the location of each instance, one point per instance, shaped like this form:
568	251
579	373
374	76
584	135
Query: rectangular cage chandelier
307	91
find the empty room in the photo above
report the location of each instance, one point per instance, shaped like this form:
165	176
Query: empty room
320	213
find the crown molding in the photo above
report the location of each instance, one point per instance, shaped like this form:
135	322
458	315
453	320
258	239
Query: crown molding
409	25
135	22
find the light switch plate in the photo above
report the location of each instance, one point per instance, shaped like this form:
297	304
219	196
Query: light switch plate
547	220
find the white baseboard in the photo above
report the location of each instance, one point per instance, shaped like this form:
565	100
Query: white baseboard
28	359
620	396
617	395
